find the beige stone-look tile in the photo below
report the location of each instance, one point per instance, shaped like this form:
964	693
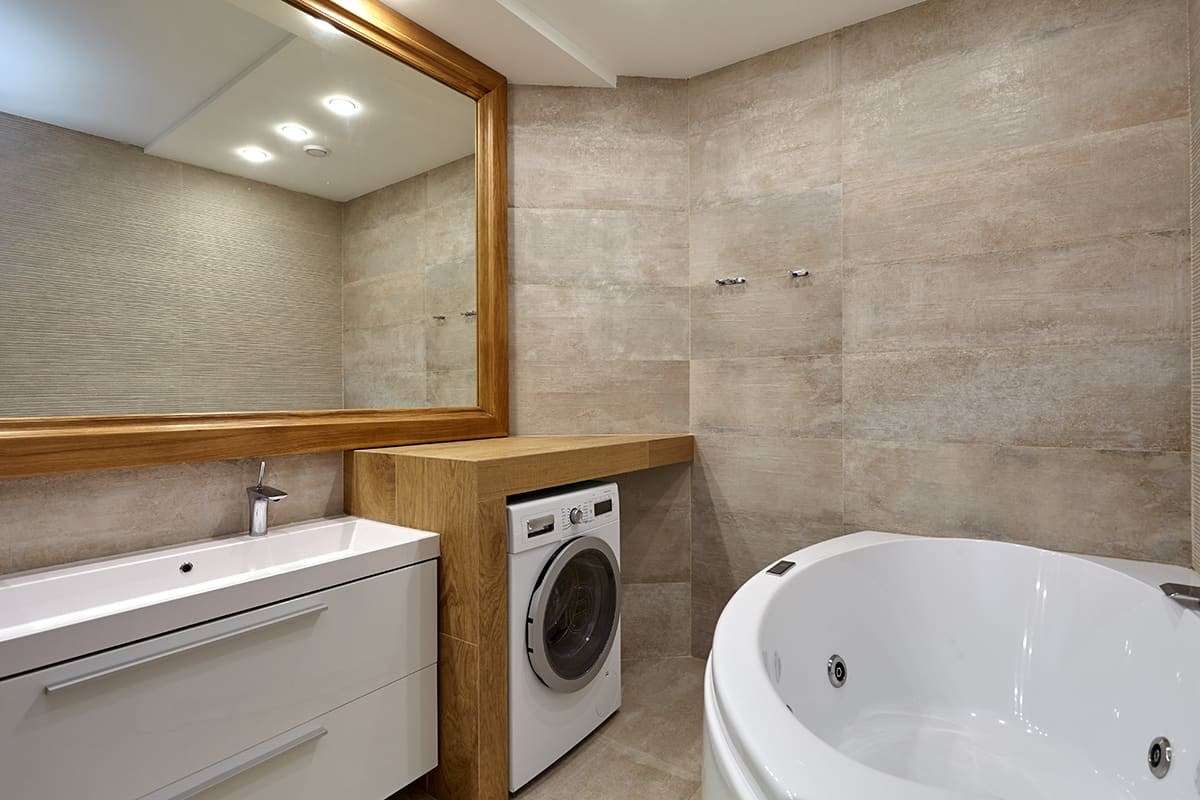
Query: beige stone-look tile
451	388
1110	184
775	149
767	237
1127	504
451	183
792	396
450	343
121	511
384	387
1114	395
656	620
589	247
600	397
394	246
450	288
1076	82
601	769
402	199
450	232
395	347
946	29
725	96
599	148
656	524
382	302
1124	288
584	324
662	711
755	499
769	316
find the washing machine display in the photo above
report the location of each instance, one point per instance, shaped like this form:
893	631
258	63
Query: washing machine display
573	614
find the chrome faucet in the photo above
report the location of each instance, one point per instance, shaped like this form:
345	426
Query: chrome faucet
259	497
1182	593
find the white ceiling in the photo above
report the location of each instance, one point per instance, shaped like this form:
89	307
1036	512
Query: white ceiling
591	42
194	80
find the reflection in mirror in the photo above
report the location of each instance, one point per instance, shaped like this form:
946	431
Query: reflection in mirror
227	205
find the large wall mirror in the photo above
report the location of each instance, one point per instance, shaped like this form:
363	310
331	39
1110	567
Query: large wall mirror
231	227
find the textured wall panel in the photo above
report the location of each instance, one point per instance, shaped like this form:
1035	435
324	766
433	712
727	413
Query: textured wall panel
131	284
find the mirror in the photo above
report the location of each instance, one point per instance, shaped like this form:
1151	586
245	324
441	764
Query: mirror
228	206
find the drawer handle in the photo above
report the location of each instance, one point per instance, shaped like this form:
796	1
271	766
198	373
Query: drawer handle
67	683
235	765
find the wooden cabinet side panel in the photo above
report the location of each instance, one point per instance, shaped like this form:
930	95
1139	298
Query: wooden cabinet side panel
493	650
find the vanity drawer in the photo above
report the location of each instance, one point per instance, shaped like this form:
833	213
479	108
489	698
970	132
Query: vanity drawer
365	750
119	724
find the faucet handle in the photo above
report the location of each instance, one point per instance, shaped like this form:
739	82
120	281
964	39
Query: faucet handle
262	471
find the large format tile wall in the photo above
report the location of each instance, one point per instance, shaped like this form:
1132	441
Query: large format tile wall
992	342
409	257
992	200
599	310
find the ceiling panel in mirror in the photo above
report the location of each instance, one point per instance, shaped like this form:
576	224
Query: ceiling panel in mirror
227	205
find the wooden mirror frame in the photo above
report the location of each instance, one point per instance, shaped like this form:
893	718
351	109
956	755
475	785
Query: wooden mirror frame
48	445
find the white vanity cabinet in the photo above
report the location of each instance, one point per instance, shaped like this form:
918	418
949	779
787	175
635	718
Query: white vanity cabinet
330	694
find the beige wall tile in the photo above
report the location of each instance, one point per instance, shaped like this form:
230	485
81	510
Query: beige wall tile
583	324
656	525
1123	288
451	388
662	711
602	397
394	347
1107	502
655	620
394	246
770	316
451	183
725	96
383	302
403	199
450	232
945	29
1078	81
123	510
450	288
589	247
599	148
789	396
1113	395
779	149
386	387
1108	184
450	343
766	238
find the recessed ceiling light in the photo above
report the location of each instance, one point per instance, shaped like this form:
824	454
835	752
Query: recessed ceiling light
297	133
255	154
343	106
323	25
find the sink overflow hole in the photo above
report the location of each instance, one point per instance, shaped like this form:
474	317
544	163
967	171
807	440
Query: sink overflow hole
185	567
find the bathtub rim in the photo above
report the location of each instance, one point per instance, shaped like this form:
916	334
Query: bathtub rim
768	743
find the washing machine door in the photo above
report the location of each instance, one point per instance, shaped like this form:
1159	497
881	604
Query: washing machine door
573	614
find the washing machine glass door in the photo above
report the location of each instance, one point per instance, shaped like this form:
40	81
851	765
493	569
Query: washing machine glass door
572	620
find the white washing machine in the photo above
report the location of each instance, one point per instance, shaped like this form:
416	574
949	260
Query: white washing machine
564	595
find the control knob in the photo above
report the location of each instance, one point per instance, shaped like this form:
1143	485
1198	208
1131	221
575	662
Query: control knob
575	515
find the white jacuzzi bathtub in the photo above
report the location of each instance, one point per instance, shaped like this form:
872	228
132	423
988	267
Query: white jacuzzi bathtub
972	670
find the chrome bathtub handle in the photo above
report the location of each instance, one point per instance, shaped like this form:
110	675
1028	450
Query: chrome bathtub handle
176	649
235	765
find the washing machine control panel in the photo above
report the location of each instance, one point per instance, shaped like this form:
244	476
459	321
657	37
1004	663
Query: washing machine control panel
542	517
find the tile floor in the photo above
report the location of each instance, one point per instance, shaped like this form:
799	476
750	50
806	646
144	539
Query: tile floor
649	750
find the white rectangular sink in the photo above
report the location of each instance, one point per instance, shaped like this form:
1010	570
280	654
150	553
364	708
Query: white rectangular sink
62	613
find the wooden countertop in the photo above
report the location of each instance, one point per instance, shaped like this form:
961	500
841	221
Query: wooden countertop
515	464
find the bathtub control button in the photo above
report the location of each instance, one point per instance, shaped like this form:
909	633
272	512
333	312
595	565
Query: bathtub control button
1159	757
837	671
781	567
